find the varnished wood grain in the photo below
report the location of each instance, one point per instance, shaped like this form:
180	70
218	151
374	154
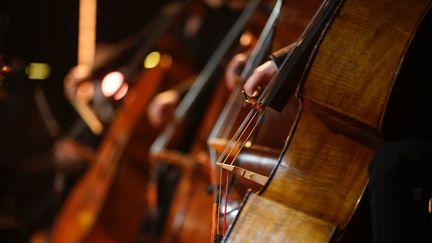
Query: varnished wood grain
268	221
323	172
358	59
83	208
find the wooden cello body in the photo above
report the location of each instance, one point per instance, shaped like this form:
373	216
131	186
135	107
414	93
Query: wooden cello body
190	214
111	200
341	104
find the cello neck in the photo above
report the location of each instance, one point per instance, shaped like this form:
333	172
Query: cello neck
294	66
263	42
225	120
211	67
87	32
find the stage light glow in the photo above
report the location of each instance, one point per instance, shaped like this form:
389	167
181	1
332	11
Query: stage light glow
111	83
121	92
152	60
166	61
39	71
246	38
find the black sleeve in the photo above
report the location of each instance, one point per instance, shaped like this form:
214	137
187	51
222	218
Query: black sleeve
279	56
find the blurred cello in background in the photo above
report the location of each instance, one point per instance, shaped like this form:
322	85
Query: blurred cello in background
261	155
105	205
181	145
338	84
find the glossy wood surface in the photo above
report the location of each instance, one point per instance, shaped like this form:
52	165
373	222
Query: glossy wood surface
189	218
323	171
357	63
190	215
322	174
286	224
83	207
352	74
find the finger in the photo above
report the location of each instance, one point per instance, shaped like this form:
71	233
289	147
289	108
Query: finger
69	88
260	77
233	70
75	76
254	81
230	76
153	114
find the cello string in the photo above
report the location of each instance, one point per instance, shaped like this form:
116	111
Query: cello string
219	199
226	204
236	139
262	103
235	109
228	150
227	174
224	157
248	121
248	135
245	138
222	130
229	118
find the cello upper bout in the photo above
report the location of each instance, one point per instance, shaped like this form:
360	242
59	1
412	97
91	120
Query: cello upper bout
357	63
323	174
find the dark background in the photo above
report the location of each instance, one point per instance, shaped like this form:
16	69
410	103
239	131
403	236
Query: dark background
47	31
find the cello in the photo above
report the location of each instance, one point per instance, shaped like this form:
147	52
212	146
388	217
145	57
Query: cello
105	206
184	219
339	79
261	154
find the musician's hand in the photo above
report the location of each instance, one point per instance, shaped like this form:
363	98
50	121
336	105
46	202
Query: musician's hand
70	156
260	77
233	70
162	107
214	3
73	79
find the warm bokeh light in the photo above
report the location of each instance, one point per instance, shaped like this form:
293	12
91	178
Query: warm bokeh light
85	218
248	144
122	92
166	61
38	71
246	38
5	69
111	83
152	60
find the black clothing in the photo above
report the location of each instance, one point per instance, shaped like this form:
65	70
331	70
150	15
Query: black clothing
28	173
26	177
402	167
279	56
216	22
395	171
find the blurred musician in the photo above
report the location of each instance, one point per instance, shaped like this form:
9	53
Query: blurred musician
38	160
201	33
400	175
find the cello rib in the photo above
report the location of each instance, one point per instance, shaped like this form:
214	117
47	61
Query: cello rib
79	216
269	221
